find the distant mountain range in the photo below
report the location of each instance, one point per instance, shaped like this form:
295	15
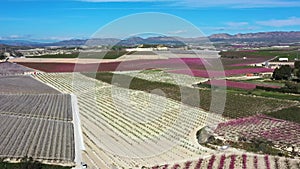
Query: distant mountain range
261	37
19	43
280	37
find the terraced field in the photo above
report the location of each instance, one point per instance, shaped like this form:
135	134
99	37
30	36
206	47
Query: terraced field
131	129
37	126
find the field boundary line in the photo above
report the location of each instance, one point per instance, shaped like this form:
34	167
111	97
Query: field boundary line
78	138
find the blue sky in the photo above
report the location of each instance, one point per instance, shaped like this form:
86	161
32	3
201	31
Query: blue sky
47	20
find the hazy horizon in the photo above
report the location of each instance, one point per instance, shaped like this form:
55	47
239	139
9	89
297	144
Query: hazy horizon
45	20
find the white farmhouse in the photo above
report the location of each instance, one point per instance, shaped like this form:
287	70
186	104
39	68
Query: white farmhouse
283	59
139	49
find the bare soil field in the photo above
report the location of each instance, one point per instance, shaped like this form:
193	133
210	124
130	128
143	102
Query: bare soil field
56	107
24	85
8	68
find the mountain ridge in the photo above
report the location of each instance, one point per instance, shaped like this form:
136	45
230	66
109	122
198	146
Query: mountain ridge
268	37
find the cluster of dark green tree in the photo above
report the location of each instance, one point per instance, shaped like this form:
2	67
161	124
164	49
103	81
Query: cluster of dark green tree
291	77
282	73
2	56
285	72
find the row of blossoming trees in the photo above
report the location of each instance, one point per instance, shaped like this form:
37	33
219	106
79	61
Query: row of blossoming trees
277	131
234	161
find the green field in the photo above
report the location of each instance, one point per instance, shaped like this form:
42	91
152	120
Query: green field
238	103
276	95
259	92
266	81
292	54
290	114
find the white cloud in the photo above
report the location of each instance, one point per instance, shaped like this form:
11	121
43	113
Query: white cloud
216	3
292	21
249	28
236	24
238	3
120	0
15	37
58	38
32	38
176	32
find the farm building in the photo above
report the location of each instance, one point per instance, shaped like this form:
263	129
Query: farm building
139	49
267	74
274	65
283	59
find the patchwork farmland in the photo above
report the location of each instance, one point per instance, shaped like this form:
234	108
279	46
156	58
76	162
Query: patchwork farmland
110	126
190	66
248	105
125	128
150	90
118	135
